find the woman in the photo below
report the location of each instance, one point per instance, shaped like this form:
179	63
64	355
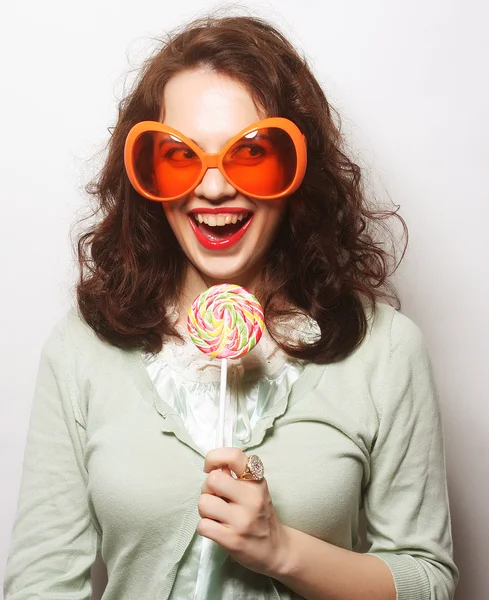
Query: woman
337	400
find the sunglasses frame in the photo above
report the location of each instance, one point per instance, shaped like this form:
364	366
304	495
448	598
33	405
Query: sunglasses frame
215	160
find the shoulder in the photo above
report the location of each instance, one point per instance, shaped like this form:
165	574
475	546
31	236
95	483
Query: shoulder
71	337
402	365
392	346
80	361
389	371
71	329
392	355
392	334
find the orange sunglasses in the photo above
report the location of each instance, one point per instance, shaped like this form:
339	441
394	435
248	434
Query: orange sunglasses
267	160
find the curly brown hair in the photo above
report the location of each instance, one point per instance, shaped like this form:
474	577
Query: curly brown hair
327	259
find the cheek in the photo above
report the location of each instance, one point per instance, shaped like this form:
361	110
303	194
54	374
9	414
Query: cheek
272	217
167	209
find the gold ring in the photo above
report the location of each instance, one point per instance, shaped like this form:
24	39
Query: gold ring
254	470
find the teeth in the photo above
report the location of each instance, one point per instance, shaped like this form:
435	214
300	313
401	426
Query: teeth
221	219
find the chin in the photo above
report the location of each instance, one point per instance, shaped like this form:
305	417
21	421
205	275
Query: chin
228	273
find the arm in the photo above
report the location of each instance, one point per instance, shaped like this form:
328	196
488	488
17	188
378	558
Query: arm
320	571
406	500
54	542
405	503
240	517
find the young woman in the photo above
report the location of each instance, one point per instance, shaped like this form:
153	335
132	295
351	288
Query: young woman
226	166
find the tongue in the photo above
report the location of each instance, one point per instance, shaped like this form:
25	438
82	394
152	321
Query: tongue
220	233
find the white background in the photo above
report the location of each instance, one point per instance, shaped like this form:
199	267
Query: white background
411	80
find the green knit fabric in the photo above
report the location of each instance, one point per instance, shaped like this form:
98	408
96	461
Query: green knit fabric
109	467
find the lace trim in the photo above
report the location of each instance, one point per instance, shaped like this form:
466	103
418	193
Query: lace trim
259	384
266	360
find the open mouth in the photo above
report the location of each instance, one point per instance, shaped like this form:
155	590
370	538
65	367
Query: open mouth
219	230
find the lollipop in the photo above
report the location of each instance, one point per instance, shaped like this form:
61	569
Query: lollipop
226	321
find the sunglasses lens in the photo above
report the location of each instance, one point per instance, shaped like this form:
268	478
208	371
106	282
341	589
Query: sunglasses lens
263	162
164	165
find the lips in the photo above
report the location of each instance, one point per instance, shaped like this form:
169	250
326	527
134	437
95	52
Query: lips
219	228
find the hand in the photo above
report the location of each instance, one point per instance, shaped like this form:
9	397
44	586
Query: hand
239	515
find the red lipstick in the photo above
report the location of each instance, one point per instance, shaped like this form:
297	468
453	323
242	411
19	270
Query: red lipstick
219	243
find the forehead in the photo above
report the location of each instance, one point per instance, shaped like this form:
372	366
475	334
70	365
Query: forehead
208	107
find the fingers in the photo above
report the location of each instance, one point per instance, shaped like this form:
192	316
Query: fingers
236	514
221	458
215	508
221	484
222	534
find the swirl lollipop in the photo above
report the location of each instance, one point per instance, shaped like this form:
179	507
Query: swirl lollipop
225	321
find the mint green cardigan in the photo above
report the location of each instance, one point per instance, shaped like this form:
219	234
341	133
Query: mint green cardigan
109	467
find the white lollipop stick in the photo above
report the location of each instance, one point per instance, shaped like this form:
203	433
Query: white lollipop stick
209	549
222	405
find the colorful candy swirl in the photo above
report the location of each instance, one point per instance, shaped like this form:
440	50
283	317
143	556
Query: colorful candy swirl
225	321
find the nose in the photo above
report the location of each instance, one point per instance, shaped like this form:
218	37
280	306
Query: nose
214	186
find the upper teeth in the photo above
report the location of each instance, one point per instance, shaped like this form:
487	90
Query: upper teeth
218	220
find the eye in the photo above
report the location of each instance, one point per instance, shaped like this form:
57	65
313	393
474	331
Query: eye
245	151
174	151
179	154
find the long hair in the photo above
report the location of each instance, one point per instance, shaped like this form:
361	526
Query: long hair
326	260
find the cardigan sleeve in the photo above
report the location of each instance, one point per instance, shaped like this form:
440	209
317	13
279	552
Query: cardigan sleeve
54	541
406	500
